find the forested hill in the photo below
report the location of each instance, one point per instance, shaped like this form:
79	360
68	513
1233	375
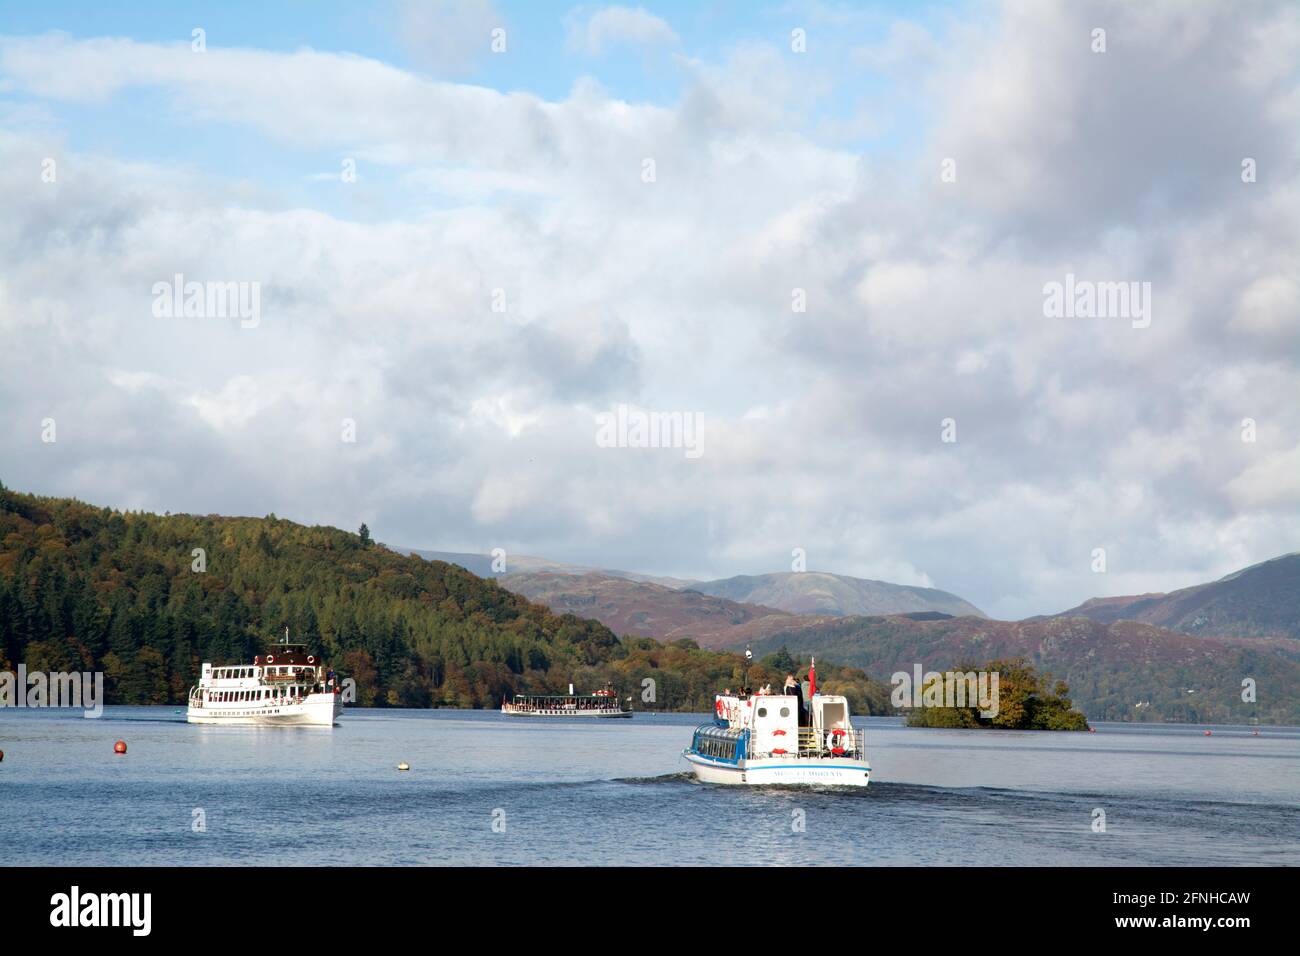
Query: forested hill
88	588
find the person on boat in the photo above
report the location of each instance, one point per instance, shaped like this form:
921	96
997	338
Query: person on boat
805	702
793	687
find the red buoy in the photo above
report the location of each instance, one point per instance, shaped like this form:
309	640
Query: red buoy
1209	733
119	747
2	756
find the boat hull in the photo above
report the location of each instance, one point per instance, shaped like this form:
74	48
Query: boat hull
318	710
782	771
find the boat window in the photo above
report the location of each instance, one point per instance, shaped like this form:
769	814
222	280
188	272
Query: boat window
762	711
785	711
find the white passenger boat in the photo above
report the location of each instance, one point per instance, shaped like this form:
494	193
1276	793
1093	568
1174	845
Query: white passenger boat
757	740
289	687
603	703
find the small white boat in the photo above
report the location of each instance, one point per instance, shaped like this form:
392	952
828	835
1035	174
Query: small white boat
603	703
758	741
289	687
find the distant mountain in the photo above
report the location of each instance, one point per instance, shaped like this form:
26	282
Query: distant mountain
716	614
835	595
481	564
1259	601
1123	670
645	609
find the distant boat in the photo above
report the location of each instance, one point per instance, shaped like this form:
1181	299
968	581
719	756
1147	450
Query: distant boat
290	687
757	740
603	703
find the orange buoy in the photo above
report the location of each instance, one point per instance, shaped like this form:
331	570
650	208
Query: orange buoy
119	747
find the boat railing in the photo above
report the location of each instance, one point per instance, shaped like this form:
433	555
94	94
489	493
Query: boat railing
816	742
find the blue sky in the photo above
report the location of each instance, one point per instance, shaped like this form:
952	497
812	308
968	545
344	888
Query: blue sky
143	123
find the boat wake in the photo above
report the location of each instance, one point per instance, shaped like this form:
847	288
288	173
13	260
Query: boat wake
681	777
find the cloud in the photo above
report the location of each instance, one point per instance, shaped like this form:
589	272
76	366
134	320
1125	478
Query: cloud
475	426
596	33
448	37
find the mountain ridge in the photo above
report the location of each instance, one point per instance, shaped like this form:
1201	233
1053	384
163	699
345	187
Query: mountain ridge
834	595
795	592
1259	601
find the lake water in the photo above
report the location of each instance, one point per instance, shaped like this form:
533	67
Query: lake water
616	792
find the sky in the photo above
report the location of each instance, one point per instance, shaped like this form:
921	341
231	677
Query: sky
824	235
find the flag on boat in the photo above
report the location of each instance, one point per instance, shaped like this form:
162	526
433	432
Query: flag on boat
812	677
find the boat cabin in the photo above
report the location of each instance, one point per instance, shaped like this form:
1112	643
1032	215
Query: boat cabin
771	722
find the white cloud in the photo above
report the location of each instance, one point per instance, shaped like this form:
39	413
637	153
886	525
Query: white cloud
475	427
448	37
596	33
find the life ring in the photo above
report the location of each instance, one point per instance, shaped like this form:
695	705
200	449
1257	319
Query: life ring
311	660
270	659
719	706
834	736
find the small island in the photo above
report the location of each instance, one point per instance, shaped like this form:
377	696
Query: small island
1024	703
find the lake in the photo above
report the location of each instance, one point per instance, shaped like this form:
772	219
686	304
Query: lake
488	789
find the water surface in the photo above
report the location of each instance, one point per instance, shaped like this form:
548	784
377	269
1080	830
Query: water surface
580	792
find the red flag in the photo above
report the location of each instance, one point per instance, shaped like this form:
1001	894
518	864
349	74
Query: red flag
812	677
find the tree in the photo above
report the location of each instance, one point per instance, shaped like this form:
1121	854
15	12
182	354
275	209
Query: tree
364	534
